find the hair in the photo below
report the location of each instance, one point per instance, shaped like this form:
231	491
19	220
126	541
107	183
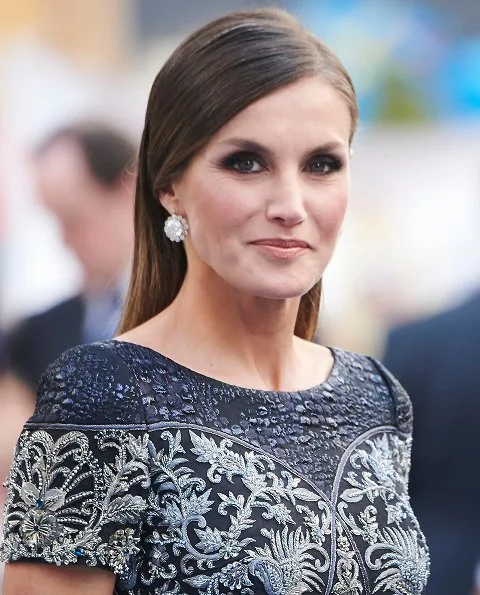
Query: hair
212	76
108	153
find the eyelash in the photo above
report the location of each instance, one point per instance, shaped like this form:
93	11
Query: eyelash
231	161
235	158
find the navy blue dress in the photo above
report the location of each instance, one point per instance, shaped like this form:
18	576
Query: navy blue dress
179	483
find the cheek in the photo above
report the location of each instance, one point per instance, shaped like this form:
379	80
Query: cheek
219	209
340	210
330	212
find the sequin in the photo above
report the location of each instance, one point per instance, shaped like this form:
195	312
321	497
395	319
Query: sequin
183	484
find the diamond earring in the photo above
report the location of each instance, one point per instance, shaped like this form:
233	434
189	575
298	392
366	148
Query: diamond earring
176	228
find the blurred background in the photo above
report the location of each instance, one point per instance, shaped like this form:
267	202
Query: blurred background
411	242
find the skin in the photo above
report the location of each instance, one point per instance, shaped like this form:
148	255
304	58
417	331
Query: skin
23	578
236	289
95	220
241	290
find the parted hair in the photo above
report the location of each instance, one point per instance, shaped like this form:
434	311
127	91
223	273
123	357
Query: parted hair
213	75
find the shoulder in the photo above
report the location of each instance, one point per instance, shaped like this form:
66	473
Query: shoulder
78	485
380	378
400	397
361	364
89	384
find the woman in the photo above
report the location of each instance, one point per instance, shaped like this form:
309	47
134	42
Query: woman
212	447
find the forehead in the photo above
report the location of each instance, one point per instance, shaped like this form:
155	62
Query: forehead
62	178
308	109
62	155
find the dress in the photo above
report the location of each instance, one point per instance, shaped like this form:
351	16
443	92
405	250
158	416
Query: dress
184	484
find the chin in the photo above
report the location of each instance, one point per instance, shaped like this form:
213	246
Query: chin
279	291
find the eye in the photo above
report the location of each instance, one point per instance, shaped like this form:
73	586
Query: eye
245	163
324	164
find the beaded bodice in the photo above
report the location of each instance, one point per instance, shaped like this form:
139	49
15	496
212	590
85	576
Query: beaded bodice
183	484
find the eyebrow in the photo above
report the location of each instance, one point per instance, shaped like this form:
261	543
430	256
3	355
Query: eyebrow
245	144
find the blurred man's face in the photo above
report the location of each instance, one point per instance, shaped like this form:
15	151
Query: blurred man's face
96	220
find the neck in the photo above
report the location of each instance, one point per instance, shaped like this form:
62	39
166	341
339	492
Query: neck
235	331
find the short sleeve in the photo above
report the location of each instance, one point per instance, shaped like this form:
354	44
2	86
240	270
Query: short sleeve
78	486
401	400
403	418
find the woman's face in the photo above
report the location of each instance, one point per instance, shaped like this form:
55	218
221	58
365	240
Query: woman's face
266	197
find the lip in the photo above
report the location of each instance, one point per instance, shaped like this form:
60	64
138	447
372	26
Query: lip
285	244
281	249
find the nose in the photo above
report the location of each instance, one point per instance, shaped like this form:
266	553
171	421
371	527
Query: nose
286	203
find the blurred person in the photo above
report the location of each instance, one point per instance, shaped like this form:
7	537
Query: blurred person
437	361
213	447
81	177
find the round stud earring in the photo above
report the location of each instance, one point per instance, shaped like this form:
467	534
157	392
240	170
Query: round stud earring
176	228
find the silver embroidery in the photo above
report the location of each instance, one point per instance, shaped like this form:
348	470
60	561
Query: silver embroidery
285	564
60	498
214	516
397	550
347	570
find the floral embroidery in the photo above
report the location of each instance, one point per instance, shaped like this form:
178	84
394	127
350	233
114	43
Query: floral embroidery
404	562
397	550
288	562
348	582
215	517
61	499
119	549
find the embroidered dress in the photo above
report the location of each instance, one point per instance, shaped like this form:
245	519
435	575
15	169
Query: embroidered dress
179	483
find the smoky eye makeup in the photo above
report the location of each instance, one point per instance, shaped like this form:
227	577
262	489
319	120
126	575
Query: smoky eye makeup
248	159
323	164
243	162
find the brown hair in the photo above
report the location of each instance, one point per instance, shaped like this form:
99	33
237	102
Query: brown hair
212	76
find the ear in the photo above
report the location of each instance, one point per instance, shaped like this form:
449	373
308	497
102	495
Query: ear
167	198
